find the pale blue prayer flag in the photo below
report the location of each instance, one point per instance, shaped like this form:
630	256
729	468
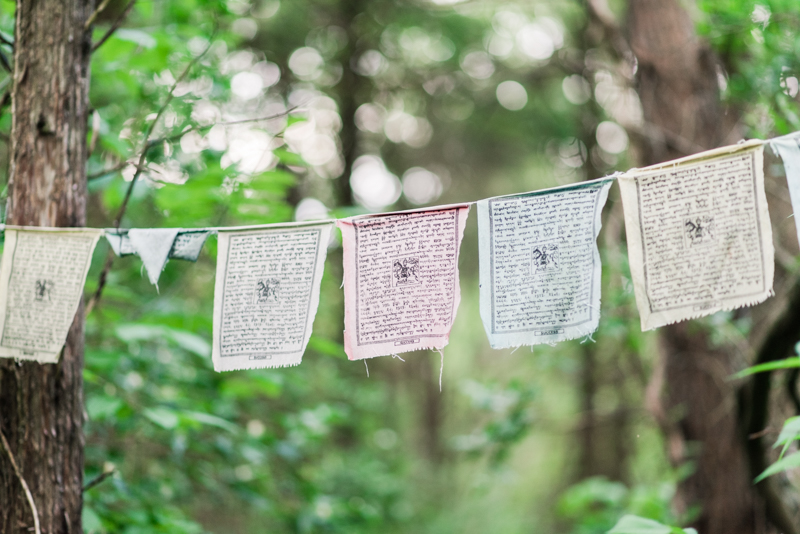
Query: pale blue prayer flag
539	264
188	244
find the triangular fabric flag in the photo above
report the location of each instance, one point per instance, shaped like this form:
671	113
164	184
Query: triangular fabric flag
42	275
188	244
539	264
120	242
699	234
789	150
266	293
153	245
401	286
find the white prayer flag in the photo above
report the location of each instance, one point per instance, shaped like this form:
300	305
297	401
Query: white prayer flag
187	245
120	242
699	234
41	285
153	245
789	150
267	293
539	264
401	287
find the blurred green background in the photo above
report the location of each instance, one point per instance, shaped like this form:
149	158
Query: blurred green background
378	105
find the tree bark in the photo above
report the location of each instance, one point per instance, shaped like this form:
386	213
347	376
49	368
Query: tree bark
42	404
677	80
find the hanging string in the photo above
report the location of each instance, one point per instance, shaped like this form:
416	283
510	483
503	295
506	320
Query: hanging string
398	357
613	176
441	369
367	366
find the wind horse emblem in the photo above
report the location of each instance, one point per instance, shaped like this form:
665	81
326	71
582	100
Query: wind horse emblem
267	290
405	271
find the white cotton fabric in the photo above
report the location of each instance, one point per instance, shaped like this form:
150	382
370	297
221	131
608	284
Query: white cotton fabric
266	294
153	246
699	234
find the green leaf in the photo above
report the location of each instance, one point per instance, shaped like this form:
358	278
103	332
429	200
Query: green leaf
788	363
91	521
784	464
790	431
102	407
191	342
213	420
136	36
631	524
163	417
188	341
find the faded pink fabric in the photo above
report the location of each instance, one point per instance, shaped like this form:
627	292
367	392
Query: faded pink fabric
401	287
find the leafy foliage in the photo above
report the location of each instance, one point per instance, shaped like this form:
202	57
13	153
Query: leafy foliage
423	96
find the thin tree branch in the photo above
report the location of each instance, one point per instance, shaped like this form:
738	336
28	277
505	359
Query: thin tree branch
116	168
101	283
170	96
198	128
27	490
154	142
98	479
103	5
115	26
139	167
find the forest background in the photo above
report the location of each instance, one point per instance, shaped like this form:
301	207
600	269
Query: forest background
206	112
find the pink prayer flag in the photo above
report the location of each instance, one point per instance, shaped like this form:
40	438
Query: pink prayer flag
401	287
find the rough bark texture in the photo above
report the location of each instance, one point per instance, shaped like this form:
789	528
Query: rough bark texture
678	86
348	88
42	405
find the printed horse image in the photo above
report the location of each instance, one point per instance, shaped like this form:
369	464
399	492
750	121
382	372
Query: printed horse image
405	271
43	289
545	258
267	290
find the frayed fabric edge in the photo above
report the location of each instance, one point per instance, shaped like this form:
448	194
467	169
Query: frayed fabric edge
710	311
395	353
254	367
565	337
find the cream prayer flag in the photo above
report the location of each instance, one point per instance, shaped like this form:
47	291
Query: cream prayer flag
266	293
41	285
699	234
539	264
789	149
401	287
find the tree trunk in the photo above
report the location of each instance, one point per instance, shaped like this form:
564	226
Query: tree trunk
697	407
42	404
